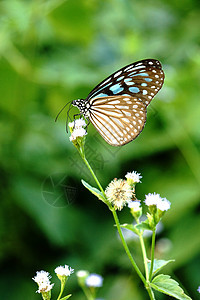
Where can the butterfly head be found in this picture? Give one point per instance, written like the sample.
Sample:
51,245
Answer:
83,106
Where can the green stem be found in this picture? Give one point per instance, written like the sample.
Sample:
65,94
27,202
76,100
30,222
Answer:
87,293
146,283
63,282
117,223
152,253
126,247
144,256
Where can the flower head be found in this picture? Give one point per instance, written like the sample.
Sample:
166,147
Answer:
152,199
119,192
79,123
134,205
164,204
94,280
42,278
77,132
64,271
133,177
198,290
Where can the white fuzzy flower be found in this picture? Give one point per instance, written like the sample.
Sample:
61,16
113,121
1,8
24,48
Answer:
134,176
42,278
64,271
152,199
76,124
155,199
163,205
77,132
119,193
135,205
44,287
94,280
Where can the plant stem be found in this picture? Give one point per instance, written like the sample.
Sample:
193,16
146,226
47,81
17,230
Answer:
126,247
152,252
146,282
144,256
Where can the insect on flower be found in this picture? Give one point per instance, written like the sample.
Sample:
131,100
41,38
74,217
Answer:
117,106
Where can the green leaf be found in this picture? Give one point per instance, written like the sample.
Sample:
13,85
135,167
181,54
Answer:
138,228
166,285
66,297
130,227
93,190
143,226
158,265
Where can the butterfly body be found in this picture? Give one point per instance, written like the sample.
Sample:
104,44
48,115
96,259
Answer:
117,105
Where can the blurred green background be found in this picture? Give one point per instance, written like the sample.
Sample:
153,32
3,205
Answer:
56,51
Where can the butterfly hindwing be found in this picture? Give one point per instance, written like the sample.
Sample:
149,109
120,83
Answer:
118,119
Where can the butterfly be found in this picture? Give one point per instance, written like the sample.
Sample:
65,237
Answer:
117,106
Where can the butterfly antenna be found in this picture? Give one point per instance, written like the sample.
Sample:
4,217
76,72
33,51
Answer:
62,110
68,117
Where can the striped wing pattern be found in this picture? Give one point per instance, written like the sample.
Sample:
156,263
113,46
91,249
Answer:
118,119
117,105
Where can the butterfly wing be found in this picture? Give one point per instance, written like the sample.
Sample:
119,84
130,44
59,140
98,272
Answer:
119,119
142,79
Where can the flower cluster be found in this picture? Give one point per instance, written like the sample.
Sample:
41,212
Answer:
154,199
64,271
120,192
133,178
42,278
77,129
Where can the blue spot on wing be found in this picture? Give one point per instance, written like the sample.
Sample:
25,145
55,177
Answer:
148,79
134,89
116,88
127,79
120,78
100,95
139,74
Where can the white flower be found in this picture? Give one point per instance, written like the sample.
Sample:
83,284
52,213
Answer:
152,199
64,271
94,280
119,193
76,124
77,132
155,199
44,287
198,290
134,176
135,205
42,278
82,273
163,205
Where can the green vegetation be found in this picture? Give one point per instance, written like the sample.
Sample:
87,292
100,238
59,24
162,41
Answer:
56,51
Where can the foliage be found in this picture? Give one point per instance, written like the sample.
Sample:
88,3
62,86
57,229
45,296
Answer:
56,51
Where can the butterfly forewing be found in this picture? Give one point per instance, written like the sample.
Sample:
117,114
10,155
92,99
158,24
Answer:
142,79
118,119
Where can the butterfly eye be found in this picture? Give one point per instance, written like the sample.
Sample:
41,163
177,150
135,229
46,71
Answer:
117,105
